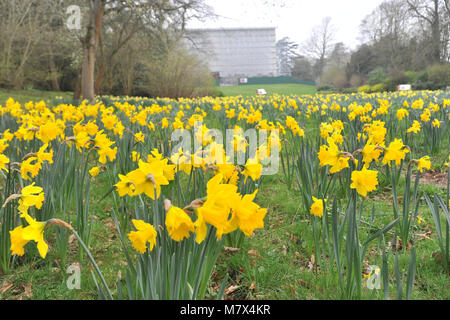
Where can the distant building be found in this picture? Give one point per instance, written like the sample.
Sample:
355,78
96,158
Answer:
236,54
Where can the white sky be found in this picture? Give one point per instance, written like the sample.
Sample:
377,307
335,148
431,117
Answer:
292,18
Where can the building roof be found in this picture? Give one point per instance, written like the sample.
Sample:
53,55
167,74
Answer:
231,29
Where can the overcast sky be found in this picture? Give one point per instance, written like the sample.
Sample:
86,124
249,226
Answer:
292,18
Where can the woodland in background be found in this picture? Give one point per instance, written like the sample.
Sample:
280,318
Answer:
401,42
138,50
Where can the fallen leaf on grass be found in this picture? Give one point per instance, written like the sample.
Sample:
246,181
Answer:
111,224
293,289
5,287
231,249
71,238
231,289
311,262
304,284
252,286
284,250
254,253
424,236
107,208
293,238
28,291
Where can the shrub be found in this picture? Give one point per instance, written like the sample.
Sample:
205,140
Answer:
390,84
178,75
379,87
399,77
349,90
326,87
421,76
209,91
427,85
365,89
411,76
439,75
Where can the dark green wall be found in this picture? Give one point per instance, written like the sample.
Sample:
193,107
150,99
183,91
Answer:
276,80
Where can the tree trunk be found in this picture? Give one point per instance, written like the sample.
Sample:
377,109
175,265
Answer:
90,43
53,71
77,90
87,74
436,33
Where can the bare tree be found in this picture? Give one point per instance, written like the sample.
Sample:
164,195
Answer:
319,44
22,27
435,14
162,13
390,19
389,28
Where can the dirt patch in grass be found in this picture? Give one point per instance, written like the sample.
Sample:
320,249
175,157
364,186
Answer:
437,179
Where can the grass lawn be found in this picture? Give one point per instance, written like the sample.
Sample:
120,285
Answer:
24,96
284,89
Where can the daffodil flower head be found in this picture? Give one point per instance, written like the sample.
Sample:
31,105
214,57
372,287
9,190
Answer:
253,169
145,233
395,152
424,163
364,181
31,196
249,216
178,224
4,160
21,236
317,207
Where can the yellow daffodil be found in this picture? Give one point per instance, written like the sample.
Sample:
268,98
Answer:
139,137
364,181
17,241
145,233
21,236
415,127
424,163
43,156
249,215
220,199
28,167
148,179
125,186
94,171
317,207
31,196
395,152
178,224
330,155
4,160
253,169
